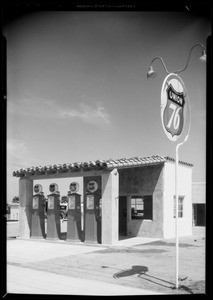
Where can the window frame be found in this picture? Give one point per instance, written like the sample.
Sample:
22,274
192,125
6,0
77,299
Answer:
147,211
180,206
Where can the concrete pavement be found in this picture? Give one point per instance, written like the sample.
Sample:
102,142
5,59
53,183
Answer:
26,280
59,267
23,251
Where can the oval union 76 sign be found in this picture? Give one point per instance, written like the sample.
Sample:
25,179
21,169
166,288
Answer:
174,104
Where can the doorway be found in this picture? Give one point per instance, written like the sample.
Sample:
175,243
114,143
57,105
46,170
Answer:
199,214
122,216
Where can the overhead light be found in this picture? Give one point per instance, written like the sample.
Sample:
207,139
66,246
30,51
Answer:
151,73
203,57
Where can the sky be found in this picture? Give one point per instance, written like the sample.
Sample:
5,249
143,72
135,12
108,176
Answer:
77,88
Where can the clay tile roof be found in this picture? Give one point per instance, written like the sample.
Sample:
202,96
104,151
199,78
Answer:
180,161
77,164
97,165
92,163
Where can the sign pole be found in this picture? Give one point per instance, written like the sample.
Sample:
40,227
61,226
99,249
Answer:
174,105
176,219
173,100
176,212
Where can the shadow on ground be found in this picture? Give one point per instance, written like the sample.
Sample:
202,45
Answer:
134,270
130,250
141,271
161,243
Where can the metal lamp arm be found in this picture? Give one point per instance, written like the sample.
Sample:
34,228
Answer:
161,59
181,70
187,62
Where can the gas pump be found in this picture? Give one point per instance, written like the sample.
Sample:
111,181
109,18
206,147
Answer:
92,209
74,214
38,204
53,213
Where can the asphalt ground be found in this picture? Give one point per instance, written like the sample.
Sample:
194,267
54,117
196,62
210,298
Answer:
134,266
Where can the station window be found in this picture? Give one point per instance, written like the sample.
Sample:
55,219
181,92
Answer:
180,206
141,207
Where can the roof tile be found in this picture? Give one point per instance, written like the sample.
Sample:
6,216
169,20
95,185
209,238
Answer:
98,164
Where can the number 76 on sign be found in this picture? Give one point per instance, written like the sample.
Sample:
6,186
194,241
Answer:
173,106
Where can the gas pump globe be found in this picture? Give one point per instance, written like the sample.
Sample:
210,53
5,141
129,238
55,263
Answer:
74,187
53,188
92,186
38,188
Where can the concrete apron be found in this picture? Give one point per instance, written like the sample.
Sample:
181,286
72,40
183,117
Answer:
40,282
12,231
20,251
29,281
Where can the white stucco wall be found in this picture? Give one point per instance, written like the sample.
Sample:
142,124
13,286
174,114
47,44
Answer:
110,188
143,181
184,189
198,192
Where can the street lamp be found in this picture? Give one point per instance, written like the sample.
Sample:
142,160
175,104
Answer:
172,123
152,73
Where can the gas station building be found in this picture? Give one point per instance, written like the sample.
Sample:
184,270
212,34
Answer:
132,197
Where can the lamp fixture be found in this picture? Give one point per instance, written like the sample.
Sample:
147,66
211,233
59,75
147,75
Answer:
152,73
203,56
